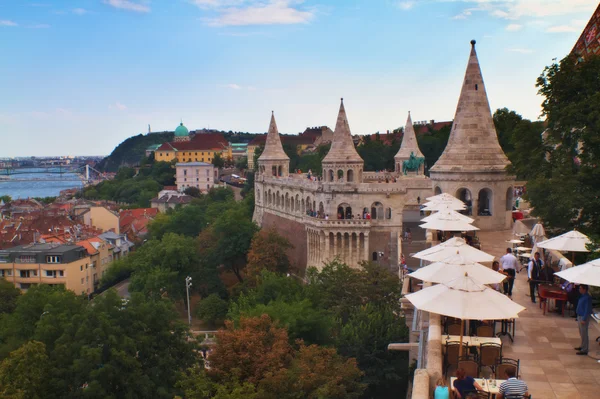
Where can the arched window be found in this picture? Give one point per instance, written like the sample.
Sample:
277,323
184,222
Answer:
377,210
344,211
510,198
437,190
331,175
279,171
374,257
309,207
340,175
257,194
350,176
388,213
464,195
274,170
485,202
303,206
321,209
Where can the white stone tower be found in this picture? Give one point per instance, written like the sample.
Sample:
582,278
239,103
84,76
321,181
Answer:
473,165
409,146
342,164
273,161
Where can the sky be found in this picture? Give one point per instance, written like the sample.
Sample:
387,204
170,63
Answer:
77,77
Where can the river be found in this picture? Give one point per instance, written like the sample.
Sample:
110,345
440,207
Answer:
22,185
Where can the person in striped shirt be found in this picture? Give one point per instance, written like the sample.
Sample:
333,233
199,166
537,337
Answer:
512,388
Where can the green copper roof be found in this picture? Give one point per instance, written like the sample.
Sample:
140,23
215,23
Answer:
181,131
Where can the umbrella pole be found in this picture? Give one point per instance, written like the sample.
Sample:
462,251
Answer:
460,348
572,258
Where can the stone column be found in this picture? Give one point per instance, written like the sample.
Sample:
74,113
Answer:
357,248
366,248
335,249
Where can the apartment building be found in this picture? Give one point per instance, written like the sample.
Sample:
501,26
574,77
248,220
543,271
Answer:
54,264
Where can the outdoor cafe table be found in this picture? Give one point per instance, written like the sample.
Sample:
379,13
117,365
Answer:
491,386
547,292
472,341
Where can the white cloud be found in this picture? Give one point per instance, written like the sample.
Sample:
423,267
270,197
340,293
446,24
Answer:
562,29
6,22
79,11
128,5
234,86
406,5
463,15
118,106
514,27
253,12
520,50
514,9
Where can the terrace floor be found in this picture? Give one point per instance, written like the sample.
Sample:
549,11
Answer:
544,344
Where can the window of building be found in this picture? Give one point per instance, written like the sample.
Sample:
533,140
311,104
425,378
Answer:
5,272
52,259
4,258
50,273
61,273
82,280
185,172
207,173
197,179
27,273
26,259
81,268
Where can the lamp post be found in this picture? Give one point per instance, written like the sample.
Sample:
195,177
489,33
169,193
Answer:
188,284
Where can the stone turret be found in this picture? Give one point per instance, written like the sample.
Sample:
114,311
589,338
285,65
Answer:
342,163
473,165
409,146
273,161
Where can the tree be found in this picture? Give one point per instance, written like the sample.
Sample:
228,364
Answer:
8,296
257,153
506,122
242,163
218,161
192,192
5,198
268,251
23,375
251,351
212,309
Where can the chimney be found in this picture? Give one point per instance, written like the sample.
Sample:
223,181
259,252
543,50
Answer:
432,121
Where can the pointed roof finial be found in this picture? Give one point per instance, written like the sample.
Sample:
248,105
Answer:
473,136
473,42
409,142
342,146
273,148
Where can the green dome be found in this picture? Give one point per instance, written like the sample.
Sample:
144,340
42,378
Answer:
181,131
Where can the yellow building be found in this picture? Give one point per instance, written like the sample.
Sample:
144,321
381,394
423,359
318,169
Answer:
101,218
54,264
101,256
194,147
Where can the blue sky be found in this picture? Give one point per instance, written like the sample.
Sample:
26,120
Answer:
80,76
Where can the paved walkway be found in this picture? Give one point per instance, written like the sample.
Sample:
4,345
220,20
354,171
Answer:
544,344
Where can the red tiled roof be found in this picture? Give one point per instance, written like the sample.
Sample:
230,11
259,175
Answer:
199,142
285,139
91,250
435,126
139,212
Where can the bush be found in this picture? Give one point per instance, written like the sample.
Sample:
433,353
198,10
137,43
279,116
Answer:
212,309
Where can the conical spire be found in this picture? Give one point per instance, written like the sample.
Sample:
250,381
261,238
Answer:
342,147
409,142
273,148
473,144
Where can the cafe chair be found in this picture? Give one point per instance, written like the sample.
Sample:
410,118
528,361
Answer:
489,353
454,329
470,366
485,331
451,354
505,363
483,395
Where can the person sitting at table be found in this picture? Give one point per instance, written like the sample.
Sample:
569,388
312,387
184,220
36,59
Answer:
496,268
512,388
463,384
441,390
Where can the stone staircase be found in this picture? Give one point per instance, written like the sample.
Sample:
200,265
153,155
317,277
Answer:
411,248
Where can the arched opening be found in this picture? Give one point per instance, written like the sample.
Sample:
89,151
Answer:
280,171
350,176
374,256
309,208
274,170
258,195
321,210
331,175
340,175
365,213
510,198
303,206
437,190
377,210
485,202
464,194
344,211
388,213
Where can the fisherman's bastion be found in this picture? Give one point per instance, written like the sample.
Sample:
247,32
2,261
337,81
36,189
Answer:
326,217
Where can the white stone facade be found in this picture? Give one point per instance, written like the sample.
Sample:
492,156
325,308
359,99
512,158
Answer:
195,174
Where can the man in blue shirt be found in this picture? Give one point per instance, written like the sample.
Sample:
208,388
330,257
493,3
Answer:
584,311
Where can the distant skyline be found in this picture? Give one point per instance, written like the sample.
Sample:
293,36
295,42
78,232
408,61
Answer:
78,77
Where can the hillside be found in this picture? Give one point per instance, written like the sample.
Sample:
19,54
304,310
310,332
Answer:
131,151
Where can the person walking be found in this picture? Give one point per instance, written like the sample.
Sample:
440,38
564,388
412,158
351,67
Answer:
509,264
533,274
584,312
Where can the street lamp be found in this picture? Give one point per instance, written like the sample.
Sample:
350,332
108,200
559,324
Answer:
188,284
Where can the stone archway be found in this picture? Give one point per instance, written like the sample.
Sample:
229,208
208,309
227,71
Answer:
485,202
350,175
377,211
510,197
344,211
437,190
464,194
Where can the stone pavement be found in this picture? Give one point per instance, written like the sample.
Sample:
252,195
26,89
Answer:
544,344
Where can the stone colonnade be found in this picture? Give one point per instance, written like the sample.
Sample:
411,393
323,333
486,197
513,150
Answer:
351,247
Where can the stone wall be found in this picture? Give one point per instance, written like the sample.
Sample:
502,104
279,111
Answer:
295,232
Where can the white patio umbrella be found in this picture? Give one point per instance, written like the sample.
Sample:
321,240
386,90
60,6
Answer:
442,197
588,273
573,241
523,249
515,241
441,206
456,266
449,248
459,216
466,299
446,221
520,229
537,233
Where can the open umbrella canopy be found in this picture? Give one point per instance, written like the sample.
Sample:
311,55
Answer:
588,273
442,206
520,229
572,241
466,299
515,241
449,247
456,266
538,233
443,197
448,221
449,212
523,249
